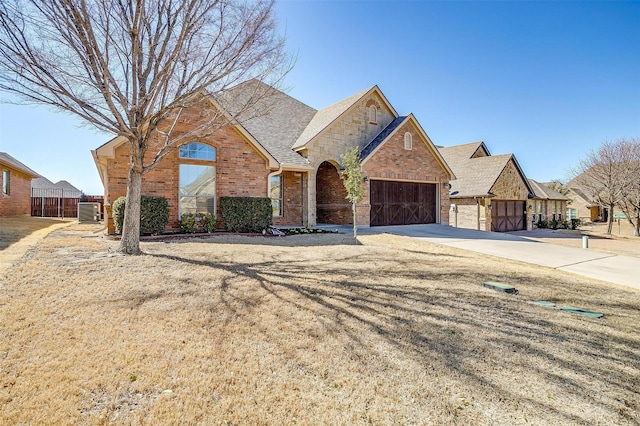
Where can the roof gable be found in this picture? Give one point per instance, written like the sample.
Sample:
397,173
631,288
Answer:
369,149
325,117
273,154
476,172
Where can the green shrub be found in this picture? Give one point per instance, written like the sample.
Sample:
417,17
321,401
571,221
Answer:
575,223
246,214
542,224
154,214
199,222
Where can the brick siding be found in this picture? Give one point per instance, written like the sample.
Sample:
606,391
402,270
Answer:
393,162
293,202
18,201
331,197
240,169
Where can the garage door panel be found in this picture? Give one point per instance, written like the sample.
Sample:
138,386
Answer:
402,203
507,215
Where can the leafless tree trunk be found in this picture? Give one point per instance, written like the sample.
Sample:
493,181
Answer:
609,175
130,67
630,203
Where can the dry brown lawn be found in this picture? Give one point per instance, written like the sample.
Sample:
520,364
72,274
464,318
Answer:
307,330
621,244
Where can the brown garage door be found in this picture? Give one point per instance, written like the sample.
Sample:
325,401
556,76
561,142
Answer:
507,216
402,203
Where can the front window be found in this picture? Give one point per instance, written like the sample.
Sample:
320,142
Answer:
5,182
275,193
197,182
197,189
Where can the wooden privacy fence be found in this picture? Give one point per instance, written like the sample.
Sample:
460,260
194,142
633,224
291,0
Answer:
53,202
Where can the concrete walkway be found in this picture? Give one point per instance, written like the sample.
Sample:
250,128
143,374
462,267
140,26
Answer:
624,270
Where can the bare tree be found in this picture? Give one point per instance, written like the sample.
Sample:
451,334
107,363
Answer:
131,67
630,203
606,174
558,186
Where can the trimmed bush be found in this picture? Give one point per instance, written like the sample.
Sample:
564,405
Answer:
200,222
246,214
154,214
575,223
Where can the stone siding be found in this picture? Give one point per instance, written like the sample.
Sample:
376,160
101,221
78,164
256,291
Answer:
351,129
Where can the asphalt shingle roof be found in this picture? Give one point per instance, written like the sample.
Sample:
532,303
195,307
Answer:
371,146
15,164
42,183
542,191
275,121
476,176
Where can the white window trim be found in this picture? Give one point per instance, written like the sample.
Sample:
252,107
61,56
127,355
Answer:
6,182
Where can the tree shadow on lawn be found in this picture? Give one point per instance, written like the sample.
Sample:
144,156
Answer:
455,324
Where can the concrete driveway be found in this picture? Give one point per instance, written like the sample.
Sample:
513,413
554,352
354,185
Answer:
624,270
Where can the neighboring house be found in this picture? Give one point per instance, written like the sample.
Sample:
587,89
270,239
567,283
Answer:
547,204
15,179
583,206
291,153
50,199
490,192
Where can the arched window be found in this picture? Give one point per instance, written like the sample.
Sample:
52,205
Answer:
197,179
373,114
408,141
198,151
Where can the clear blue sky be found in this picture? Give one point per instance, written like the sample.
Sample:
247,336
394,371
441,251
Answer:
546,81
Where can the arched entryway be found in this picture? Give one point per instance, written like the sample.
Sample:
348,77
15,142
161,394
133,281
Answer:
332,205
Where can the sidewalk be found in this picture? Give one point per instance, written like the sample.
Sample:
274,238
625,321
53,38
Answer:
623,270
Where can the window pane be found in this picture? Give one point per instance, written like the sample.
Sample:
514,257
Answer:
5,181
197,180
198,151
197,189
408,141
197,205
276,195
276,207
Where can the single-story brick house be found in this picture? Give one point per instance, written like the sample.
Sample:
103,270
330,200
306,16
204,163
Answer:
15,179
547,204
490,192
583,204
291,153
